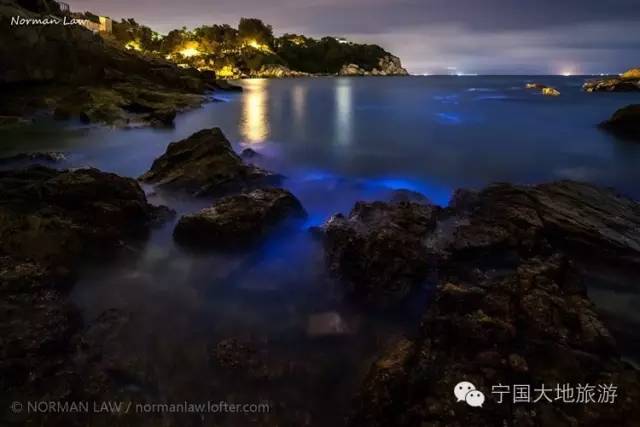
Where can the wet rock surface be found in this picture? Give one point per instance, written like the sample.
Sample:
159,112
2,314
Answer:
511,307
56,216
378,253
625,123
50,222
205,164
235,221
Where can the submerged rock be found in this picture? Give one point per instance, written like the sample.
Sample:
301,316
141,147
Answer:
56,216
205,164
378,252
238,220
625,122
629,81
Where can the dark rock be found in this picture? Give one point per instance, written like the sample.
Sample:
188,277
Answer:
237,220
566,214
225,85
205,164
409,196
378,253
625,122
37,323
528,327
249,153
56,216
44,157
511,308
246,358
162,118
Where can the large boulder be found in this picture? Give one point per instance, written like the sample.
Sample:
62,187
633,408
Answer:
378,253
531,325
629,81
237,220
568,215
511,308
55,216
205,164
625,122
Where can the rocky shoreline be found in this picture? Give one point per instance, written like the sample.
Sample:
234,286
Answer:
509,298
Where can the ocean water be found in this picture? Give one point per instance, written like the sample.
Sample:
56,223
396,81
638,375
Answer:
338,140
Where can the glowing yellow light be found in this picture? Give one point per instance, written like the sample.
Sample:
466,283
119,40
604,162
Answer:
256,45
133,45
190,50
226,71
254,122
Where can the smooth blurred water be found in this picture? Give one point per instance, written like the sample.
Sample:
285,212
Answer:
338,140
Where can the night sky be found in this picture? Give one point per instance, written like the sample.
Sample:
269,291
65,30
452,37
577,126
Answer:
432,36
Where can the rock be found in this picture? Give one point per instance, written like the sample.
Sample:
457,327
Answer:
225,85
632,74
527,327
409,196
390,65
55,217
205,164
625,122
276,71
378,253
629,81
549,91
351,70
247,359
511,308
544,89
238,220
37,324
36,157
566,214
162,118
249,153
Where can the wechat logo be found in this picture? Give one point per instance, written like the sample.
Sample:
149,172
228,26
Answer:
466,392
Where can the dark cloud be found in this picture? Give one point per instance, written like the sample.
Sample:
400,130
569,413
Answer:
533,36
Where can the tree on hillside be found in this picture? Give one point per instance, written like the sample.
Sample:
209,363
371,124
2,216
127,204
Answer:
255,29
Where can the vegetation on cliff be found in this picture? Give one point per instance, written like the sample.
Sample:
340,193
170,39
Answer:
244,51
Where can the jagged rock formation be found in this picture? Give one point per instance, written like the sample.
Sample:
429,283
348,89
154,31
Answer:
387,66
511,308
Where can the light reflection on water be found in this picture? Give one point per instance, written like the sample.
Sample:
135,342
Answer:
254,123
